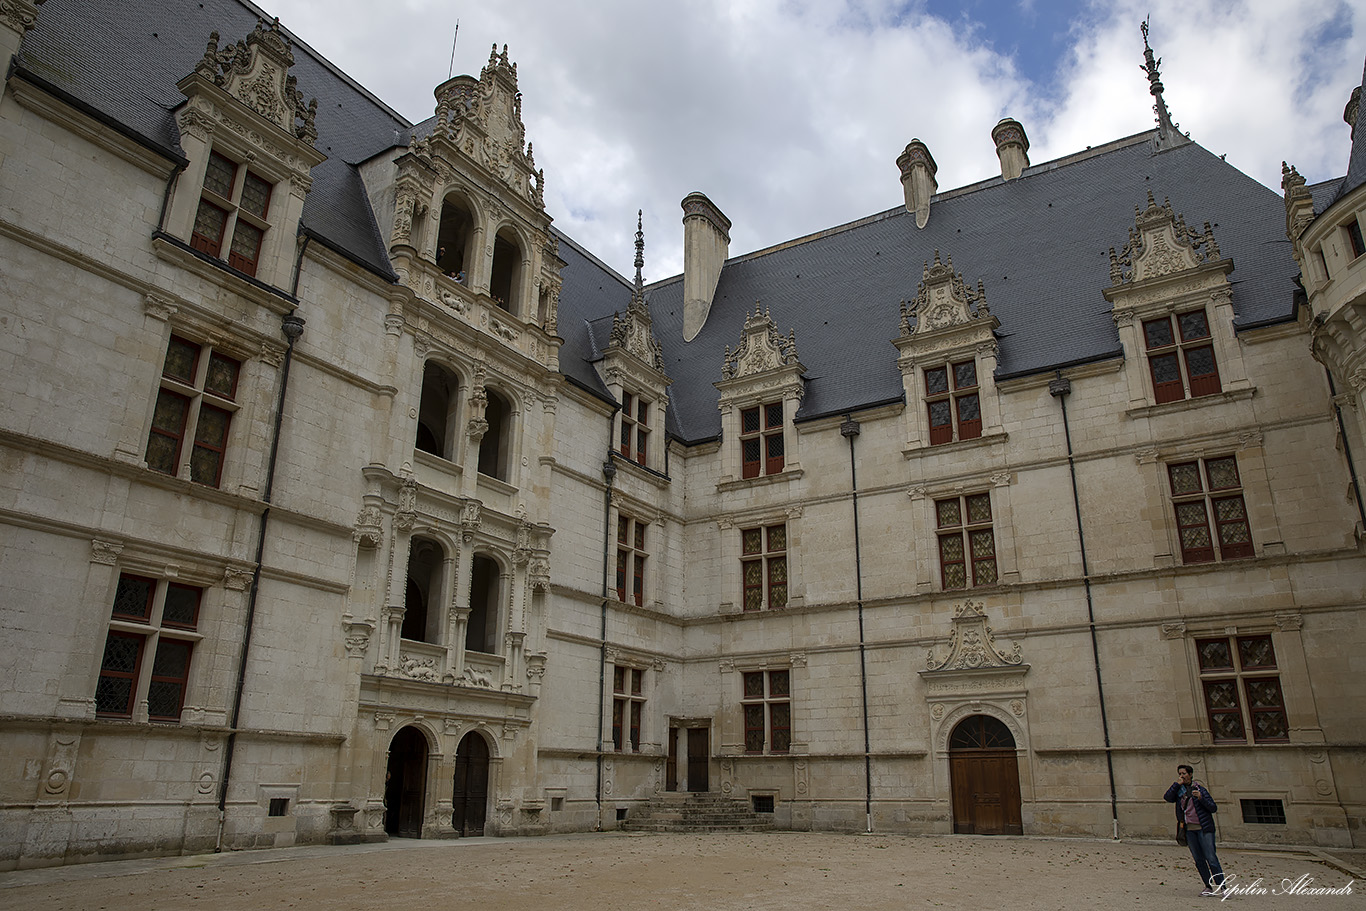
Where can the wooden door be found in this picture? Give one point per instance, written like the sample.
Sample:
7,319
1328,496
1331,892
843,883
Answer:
405,784
470,796
699,750
985,778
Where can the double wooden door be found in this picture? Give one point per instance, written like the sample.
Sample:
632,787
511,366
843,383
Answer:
470,795
985,777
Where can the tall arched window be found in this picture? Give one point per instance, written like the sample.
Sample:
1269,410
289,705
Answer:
423,592
506,281
481,632
453,237
495,448
436,415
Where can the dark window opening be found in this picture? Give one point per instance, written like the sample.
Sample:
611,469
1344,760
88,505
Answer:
1263,812
424,585
436,415
481,628
763,803
621,814
493,448
507,273
279,806
453,239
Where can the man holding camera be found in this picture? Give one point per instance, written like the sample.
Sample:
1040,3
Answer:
1195,810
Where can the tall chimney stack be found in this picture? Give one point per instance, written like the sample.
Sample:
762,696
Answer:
706,244
1012,147
917,179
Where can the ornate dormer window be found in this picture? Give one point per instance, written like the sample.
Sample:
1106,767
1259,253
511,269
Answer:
1173,305
470,233
761,389
249,139
948,361
633,369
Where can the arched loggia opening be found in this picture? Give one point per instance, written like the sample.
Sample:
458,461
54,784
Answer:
470,796
420,622
454,238
481,631
437,412
985,778
505,282
405,784
495,448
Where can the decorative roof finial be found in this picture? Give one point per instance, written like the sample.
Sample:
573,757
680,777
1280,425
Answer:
640,248
1167,133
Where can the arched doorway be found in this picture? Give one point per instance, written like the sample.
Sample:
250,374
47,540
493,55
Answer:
405,784
985,778
471,794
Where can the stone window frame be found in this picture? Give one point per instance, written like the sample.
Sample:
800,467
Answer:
632,558
628,707
235,210
196,396
771,705
1209,497
1241,675
150,627
966,531
634,426
769,425
955,395
767,557
926,564
1179,345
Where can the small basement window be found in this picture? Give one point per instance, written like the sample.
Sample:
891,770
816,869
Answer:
556,804
621,813
1264,812
763,803
279,806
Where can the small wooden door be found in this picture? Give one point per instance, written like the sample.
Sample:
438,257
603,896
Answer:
985,778
699,759
470,796
405,784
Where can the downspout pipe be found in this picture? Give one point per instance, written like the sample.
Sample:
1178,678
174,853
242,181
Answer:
609,473
292,326
1060,387
850,430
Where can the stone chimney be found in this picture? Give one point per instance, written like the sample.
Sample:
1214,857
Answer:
917,179
1012,147
706,244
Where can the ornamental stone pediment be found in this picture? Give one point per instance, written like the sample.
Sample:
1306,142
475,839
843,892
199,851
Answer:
971,662
1160,244
255,71
761,349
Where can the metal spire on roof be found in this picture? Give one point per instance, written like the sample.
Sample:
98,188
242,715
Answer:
639,293
1167,133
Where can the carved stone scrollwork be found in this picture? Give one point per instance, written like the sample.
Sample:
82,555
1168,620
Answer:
105,552
357,634
406,514
761,348
971,644
369,528
1159,244
417,668
159,306
256,72
943,300
237,578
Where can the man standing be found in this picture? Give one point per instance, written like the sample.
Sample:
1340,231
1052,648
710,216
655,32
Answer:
1195,810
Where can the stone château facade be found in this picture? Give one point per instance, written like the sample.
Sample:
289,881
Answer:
344,497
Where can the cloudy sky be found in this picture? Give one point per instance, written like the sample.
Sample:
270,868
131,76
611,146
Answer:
790,114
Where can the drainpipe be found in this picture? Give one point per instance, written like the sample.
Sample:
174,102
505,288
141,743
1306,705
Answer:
849,430
1060,387
609,473
1346,449
292,326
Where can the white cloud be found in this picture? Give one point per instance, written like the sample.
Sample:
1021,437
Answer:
789,114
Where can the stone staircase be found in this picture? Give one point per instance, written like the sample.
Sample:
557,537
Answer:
684,812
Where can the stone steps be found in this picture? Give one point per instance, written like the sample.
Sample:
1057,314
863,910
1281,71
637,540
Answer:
696,813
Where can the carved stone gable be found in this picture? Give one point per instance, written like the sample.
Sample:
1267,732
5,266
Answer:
482,119
942,301
972,644
1161,244
761,348
255,71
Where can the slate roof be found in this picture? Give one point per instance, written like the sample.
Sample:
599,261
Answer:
1040,244
122,60
1356,163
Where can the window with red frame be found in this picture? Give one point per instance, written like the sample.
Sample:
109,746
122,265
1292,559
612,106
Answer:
145,618
761,440
631,559
628,705
763,567
966,540
1181,356
1205,490
635,428
954,403
1242,689
196,401
234,204
767,706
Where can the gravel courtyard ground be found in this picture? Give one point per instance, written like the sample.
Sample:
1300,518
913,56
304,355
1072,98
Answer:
612,871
